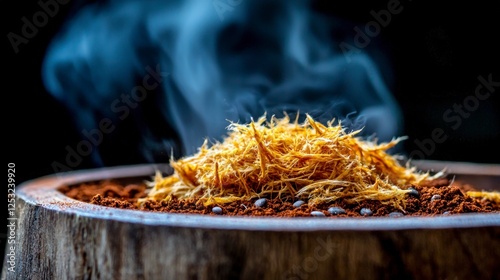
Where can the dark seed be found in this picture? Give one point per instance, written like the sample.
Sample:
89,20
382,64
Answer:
317,214
413,192
298,203
261,202
366,212
217,210
336,210
396,214
435,197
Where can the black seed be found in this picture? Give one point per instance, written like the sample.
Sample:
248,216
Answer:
396,214
366,212
413,192
261,202
298,203
336,210
317,214
435,197
217,210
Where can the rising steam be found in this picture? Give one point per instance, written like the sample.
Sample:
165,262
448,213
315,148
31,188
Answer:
261,56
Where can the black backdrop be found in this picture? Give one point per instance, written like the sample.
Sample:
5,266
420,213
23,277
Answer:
437,51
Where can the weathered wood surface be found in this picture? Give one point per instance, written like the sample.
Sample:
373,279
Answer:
60,238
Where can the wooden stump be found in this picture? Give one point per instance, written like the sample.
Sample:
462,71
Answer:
61,238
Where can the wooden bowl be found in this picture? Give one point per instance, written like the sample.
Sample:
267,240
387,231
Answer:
61,238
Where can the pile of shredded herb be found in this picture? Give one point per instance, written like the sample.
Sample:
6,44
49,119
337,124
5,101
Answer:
278,158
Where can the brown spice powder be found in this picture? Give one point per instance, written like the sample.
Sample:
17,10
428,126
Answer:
434,198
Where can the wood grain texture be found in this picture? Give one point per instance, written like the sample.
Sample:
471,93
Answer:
60,238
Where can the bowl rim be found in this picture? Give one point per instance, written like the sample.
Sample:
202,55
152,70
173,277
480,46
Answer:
43,192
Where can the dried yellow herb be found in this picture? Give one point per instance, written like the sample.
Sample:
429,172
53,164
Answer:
277,158
491,196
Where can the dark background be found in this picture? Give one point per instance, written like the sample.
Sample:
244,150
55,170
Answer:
437,51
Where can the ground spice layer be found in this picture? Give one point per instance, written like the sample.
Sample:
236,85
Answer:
430,198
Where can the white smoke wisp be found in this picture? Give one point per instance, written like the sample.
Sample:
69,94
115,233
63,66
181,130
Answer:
264,56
